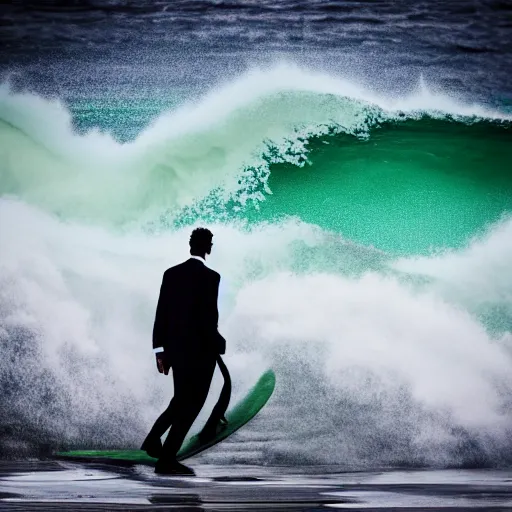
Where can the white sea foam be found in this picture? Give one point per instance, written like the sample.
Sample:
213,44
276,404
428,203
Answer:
374,362
369,368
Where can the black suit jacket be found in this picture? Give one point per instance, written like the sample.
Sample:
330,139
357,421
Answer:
186,315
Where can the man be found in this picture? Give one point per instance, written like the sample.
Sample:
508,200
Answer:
186,339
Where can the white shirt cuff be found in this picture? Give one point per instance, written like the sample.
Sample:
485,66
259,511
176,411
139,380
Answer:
157,350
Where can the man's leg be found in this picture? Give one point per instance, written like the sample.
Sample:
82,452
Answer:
217,418
161,425
192,383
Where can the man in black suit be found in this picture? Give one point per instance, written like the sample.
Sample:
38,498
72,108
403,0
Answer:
186,339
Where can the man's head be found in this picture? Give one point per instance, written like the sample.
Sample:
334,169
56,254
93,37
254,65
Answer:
201,242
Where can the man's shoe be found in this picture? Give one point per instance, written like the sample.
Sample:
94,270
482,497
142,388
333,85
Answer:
211,430
172,468
153,447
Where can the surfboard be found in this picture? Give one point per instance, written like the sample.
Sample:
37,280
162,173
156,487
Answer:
236,417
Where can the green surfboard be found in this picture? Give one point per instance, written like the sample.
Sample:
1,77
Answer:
237,417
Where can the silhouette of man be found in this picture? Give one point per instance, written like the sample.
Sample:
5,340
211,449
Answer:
186,339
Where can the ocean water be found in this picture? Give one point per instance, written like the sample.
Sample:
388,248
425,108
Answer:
361,218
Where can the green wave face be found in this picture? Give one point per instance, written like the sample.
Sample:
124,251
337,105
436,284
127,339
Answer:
403,182
409,187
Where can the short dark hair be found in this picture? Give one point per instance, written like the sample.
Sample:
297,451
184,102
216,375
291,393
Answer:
200,240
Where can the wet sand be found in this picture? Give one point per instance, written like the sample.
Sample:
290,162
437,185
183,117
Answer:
56,485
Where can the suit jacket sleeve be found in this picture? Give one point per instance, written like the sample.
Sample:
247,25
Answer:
212,313
213,317
162,310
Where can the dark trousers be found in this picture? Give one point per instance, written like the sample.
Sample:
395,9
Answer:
221,406
192,377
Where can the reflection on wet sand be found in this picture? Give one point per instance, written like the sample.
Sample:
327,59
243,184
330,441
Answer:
50,485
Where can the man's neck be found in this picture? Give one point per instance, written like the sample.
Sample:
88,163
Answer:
197,257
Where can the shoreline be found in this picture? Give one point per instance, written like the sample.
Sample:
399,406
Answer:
57,485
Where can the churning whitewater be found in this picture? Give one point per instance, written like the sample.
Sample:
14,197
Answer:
364,243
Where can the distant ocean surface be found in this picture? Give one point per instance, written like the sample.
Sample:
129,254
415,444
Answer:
354,162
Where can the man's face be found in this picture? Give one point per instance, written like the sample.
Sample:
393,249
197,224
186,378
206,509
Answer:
209,250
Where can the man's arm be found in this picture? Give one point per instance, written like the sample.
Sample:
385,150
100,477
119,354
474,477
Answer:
159,327
212,311
213,316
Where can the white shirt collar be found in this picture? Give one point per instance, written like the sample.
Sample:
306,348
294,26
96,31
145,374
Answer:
198,258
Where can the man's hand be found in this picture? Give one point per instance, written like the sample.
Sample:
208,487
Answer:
162,364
